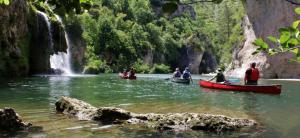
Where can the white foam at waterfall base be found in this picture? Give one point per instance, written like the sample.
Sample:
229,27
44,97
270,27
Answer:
61,60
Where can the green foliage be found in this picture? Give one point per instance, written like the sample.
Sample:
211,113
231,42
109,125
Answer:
123,32
140,67
65,6
96,67
160,68
94,64
5,2
288,41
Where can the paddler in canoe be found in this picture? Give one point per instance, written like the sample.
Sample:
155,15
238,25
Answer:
176,74
187,74
251,78
124,74
251,75
131,74
220,77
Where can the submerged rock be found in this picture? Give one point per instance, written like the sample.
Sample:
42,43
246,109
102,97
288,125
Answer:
161,122
76,108
11,121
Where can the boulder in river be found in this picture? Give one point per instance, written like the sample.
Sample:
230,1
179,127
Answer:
160,122
11,121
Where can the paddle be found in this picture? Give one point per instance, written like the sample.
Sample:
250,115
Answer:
191,79
212,78
167,78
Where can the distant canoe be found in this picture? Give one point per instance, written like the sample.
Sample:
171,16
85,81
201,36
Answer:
126,77
179,80
269,89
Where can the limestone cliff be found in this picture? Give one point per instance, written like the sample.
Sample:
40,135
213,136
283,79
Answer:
264,18
13,39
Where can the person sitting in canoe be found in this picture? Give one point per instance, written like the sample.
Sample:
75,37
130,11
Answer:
187,74
131,74
177,73
125,73
220,78
251,75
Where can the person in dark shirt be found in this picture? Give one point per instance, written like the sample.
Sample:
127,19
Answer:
220,78
131,74
186,74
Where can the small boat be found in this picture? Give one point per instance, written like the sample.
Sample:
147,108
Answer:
126,77
179,80
270,89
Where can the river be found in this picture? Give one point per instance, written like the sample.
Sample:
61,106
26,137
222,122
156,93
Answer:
34,98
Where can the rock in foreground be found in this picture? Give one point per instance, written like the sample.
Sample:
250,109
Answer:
11,121
161,122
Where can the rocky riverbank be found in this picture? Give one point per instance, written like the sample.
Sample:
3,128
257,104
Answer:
160,122
11,121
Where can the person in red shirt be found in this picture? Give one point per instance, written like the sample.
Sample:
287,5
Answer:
251,75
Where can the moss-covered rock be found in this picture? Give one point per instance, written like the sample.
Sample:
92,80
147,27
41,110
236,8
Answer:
14,39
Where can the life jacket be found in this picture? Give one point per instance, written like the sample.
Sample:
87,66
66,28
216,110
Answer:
186,75
254,74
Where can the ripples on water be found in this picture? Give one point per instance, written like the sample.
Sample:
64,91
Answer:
34,99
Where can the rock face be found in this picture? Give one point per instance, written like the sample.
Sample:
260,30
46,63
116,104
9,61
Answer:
40,44
182,9
161,122
264,18
11,121
14,39
78,49
197,60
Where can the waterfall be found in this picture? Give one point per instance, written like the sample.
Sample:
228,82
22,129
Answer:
48,25
60,61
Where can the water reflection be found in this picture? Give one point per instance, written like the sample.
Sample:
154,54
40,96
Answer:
59,86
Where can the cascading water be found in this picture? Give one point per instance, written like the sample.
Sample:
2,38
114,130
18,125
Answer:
48,26
60,61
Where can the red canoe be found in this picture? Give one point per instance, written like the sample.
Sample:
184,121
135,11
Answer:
126,77
272,89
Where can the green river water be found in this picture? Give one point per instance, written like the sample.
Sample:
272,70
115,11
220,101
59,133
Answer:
33,98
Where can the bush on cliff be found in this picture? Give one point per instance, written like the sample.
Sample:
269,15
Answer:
96,67
160,68
140,67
